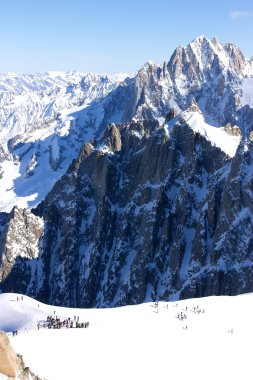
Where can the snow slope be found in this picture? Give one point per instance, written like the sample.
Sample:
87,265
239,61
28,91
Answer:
247,92
44,120
136,342
217,136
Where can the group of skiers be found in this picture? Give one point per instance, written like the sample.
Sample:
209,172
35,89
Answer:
54,322
198,310
181,316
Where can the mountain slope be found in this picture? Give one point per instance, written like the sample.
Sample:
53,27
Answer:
151,202
145,213
46,118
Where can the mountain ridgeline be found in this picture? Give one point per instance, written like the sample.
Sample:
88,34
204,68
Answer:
157,204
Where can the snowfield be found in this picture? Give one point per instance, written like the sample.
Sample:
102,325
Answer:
247,92
217,136
135,342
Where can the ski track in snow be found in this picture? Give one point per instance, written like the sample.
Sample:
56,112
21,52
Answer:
136,342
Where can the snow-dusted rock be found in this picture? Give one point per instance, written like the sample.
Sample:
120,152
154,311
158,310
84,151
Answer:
146,212
20,234
46,118
147,201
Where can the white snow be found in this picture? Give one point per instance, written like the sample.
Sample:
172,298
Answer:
217,136
103,148
50,115
8,197
247,92
136,342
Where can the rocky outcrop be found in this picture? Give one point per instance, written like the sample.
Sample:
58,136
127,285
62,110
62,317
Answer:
20,233
11,364
8,359
24,372
232,131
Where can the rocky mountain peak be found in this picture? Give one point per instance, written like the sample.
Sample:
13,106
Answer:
112,138
215,41
236,58
45,119
202,54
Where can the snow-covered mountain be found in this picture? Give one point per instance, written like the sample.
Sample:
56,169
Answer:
146,212
158,205
217,76
46,118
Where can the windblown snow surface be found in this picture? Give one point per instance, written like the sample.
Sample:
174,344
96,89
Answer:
136,342
247,92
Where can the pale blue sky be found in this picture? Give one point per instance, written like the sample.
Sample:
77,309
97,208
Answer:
113,36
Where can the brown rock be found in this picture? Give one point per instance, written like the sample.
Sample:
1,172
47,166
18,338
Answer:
112,135
8,361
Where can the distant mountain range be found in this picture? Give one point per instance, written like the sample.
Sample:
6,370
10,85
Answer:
141,185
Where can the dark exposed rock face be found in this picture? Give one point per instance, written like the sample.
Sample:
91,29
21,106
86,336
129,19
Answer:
20,232
144,214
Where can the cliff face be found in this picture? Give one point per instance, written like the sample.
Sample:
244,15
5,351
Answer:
20,233
12,365
145,213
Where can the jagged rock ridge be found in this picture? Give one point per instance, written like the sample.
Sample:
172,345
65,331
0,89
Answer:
147,212
45,119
